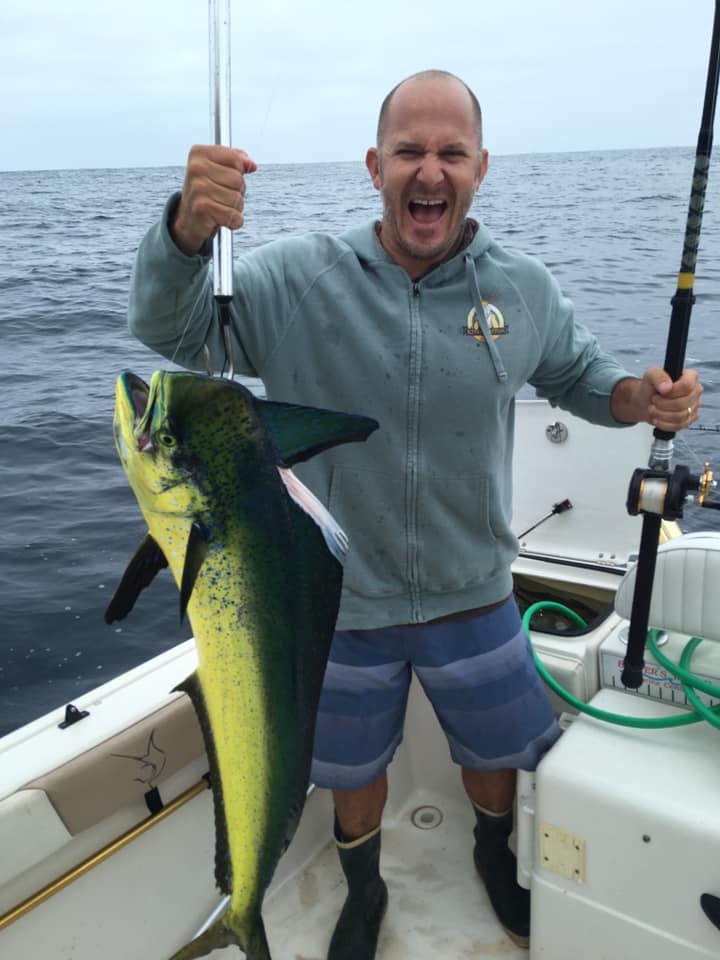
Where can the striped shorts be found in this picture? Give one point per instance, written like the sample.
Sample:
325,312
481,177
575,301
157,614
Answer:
478,673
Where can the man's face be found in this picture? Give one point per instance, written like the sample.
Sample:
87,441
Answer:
427,169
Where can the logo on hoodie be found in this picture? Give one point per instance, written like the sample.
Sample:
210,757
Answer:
495,321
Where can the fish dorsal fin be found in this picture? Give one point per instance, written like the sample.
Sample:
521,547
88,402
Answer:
298,433
335,538
195,553
140,572
223,871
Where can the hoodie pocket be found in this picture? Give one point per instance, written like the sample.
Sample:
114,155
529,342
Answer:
369,506
460,542
461,538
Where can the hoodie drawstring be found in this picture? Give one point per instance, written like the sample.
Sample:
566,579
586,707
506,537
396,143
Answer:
481,315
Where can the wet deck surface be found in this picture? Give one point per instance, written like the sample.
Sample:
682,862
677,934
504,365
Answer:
438,907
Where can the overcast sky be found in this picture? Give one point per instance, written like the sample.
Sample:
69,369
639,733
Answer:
87,83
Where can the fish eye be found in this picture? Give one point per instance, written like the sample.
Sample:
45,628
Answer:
167,439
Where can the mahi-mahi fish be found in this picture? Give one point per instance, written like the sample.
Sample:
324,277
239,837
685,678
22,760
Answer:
257,560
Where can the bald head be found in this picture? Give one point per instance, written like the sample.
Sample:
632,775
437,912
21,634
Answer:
425,76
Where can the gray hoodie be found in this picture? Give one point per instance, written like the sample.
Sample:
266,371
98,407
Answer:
332,321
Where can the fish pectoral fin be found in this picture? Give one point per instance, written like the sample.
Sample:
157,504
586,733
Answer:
195,553
298,433
140,572
335,538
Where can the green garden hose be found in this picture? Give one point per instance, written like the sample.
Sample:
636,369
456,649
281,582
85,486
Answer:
690,682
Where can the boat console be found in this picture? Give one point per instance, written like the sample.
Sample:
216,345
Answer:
618,830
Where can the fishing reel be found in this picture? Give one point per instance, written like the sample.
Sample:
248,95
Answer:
664,493
659,493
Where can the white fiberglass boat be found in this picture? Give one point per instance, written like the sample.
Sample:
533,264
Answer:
106,830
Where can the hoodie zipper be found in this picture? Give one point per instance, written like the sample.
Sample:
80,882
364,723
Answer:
412,457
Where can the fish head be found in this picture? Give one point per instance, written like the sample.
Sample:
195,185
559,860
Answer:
176,436
147,444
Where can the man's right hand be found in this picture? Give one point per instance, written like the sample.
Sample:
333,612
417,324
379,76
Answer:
213,195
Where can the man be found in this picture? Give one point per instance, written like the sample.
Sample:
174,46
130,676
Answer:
375,322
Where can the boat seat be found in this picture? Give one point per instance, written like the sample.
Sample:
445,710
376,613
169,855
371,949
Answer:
30,831
122,769
686,589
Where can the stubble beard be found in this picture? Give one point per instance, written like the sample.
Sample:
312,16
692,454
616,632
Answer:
420,252
441,249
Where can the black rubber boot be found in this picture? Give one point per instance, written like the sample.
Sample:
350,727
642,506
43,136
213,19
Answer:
497,866
357,930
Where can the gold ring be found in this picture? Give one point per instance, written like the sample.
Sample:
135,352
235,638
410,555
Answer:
690,412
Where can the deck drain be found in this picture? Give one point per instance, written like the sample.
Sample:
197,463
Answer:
426,818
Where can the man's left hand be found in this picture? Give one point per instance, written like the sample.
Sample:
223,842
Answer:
656,400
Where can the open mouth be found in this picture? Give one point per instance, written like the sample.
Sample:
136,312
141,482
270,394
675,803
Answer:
427,211
139,400
138,394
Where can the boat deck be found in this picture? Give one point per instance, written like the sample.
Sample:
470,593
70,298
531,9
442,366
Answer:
437,905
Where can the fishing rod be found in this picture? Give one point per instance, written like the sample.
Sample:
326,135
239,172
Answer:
660,492
219,34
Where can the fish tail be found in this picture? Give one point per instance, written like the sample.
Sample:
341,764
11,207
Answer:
221,934
257,946
214,938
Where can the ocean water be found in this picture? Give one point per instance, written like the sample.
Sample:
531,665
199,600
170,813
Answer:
609,225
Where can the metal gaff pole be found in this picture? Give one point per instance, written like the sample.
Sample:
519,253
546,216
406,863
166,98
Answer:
219,33
682,303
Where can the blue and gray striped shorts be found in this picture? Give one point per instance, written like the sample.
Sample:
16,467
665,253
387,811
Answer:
478,673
